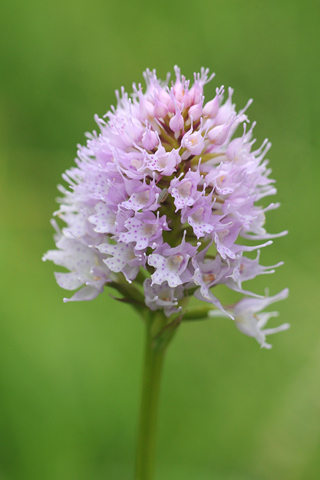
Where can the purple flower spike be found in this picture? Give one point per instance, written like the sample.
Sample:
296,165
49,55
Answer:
166,198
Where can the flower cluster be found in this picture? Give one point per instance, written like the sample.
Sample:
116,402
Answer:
165,191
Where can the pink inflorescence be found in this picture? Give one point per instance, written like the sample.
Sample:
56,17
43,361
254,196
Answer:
165,189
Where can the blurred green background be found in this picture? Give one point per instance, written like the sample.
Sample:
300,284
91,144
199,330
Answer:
70,373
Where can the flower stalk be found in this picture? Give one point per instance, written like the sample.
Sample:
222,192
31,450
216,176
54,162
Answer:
147,430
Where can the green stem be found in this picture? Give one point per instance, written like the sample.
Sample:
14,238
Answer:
153,361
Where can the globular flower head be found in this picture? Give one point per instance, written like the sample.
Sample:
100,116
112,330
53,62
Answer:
167,190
